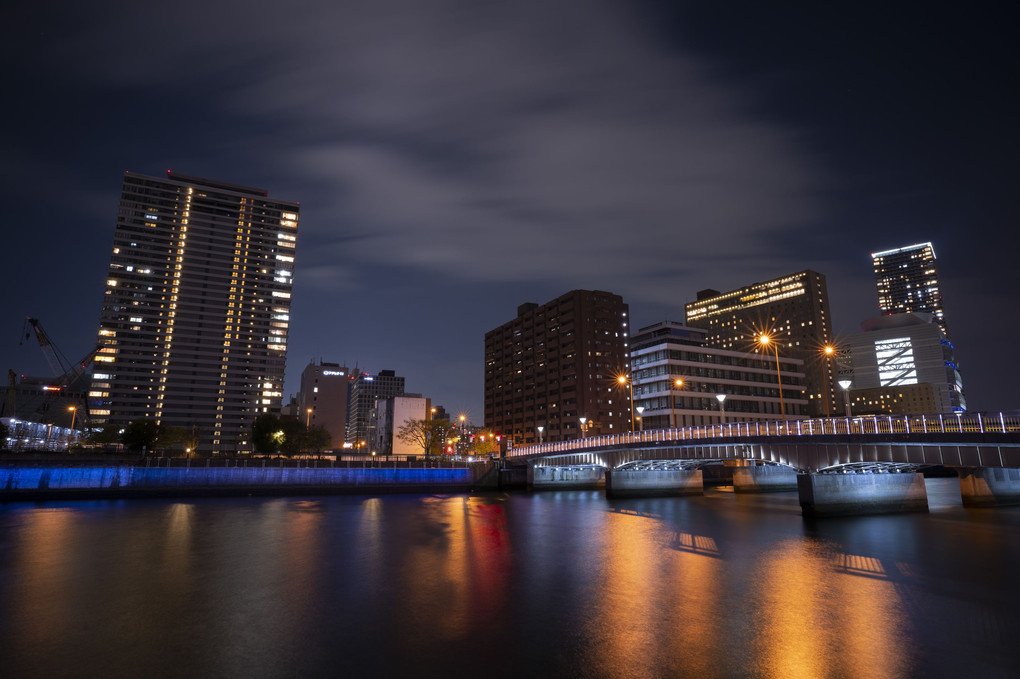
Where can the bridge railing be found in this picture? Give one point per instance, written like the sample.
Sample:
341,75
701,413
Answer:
980,423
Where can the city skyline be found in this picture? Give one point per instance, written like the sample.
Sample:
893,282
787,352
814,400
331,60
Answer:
474,161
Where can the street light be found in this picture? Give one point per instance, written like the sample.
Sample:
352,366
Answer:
679,384
74,412
308,418
828,351
540,429
624,380
640,410
722,408
765,340
584,421
845,384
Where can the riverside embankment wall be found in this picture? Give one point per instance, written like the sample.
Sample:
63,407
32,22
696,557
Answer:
40,481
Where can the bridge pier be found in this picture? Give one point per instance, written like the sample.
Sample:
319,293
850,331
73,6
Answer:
763,479
854,494
990,486
653,482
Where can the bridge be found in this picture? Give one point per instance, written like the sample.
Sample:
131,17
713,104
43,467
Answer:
858,459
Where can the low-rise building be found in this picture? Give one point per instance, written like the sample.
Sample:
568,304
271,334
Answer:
390,415
664,353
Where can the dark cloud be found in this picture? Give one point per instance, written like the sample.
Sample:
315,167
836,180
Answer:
454,159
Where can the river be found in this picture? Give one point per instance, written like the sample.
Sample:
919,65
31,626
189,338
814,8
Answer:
558,584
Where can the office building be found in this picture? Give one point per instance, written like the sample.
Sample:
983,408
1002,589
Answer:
322,401
793,310
664,353
195,317
556,363
366,389
908,281
903,364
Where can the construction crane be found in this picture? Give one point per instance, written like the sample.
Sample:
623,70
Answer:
70,380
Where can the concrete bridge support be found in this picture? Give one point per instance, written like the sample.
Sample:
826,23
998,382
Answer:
653,482
565,478
763,479
990,486
852,494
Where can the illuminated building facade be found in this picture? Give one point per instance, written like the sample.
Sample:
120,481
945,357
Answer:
908,281
666,352
902,362
390,415
556,363
196,311
322,401
793,309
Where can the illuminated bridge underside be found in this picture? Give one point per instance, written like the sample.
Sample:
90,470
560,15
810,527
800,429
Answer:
657,465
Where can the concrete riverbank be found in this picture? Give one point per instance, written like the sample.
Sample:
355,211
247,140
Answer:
30,482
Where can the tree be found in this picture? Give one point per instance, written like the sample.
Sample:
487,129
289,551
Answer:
110,433
266,434
140,435
429,435
318,439
175,438
293,436
484,443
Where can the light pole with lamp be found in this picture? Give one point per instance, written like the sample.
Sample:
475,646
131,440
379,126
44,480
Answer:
722,407
828,351
74,412
540,429
845,385
625,380
641,409
584,428
679,384
765,340
308,419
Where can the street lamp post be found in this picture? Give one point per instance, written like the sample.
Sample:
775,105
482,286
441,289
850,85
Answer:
540,429
829,351
74,412
640,410
722,407
764,340
845,385
308,419
625,380
584,428
679,383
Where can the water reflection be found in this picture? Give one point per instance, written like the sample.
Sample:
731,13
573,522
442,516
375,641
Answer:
559,585
819,617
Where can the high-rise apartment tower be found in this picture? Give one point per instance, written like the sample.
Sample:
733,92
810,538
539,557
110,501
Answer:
557,363
193,330
908,281
793,310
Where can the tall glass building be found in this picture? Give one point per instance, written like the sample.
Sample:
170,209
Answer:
908,282
196,311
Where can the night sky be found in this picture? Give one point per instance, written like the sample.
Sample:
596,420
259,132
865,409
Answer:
455,159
